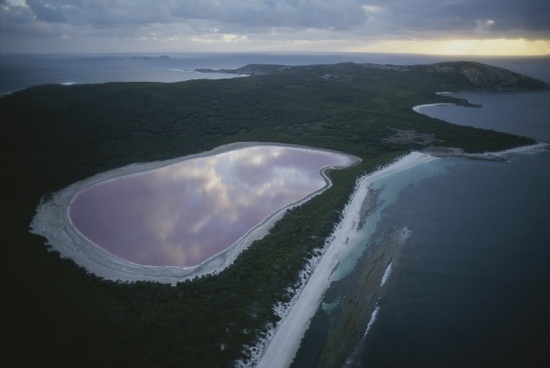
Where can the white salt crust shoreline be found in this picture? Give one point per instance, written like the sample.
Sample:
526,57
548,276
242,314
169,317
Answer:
278,348
53,222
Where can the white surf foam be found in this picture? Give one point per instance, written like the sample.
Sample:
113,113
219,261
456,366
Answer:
387,275
372,319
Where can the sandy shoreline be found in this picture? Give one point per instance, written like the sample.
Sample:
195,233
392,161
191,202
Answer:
284,341
419,107
53,222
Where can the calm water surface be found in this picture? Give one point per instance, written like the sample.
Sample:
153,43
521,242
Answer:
185,213
521,113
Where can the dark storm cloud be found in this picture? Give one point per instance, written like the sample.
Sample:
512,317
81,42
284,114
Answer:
281,20
468,16
393,16
100,13
247,14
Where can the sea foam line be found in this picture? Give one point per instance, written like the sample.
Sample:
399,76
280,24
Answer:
533,148
372,320
386,275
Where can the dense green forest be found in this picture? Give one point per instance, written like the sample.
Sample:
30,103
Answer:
52,136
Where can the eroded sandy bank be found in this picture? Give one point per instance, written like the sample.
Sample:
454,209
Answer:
53,222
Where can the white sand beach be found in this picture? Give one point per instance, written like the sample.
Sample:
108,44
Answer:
284,340
420,107
53,222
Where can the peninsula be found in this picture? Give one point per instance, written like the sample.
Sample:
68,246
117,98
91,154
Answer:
55,135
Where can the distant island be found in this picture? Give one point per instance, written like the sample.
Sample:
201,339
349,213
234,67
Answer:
161,57
481,76
56,135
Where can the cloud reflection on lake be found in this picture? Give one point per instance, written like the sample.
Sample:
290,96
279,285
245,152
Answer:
185,213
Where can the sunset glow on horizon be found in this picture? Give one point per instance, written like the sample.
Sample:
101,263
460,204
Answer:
472,47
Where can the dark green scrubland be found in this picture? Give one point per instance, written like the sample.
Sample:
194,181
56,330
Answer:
58,315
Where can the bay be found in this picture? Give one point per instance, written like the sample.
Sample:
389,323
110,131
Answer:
521,113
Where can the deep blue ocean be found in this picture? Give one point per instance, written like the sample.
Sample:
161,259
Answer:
471,285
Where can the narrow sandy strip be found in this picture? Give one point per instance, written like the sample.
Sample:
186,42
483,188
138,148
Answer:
420,107
533,148
285,339
53,222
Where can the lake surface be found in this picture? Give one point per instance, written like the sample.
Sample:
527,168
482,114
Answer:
185,213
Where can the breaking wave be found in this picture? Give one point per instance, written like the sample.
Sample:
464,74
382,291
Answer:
404,235
372,319
386,276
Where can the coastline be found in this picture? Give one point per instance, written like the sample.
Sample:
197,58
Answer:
417,108
53,222
502,155
490,156
278,349
280,346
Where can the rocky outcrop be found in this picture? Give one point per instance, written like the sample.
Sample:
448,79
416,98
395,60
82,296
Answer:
487,77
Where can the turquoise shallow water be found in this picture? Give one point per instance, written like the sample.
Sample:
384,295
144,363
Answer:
387,190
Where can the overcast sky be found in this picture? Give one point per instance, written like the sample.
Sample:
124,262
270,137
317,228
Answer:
65,26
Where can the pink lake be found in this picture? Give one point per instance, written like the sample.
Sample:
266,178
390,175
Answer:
186,213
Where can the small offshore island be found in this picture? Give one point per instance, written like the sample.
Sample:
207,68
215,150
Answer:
59,135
